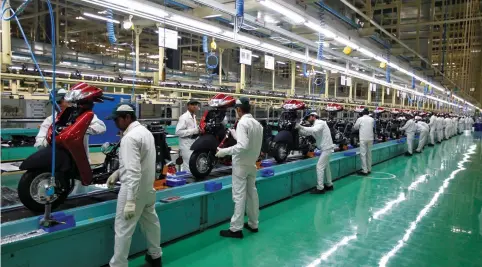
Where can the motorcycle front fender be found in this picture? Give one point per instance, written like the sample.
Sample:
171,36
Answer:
284,137
205,142
42,160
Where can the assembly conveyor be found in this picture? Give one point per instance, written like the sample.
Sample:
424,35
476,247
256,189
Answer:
91,242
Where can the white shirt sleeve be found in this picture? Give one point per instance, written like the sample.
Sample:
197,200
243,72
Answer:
96,126
310,130
131,155
181,128
40,139
357,124
242,140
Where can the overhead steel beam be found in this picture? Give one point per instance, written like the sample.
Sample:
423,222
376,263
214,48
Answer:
428,23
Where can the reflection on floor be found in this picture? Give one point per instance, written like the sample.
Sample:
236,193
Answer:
424,210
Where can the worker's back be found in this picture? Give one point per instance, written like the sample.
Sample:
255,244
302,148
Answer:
250,131
366,125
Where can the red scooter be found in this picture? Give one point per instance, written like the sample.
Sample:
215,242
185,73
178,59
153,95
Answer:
71,162
212,133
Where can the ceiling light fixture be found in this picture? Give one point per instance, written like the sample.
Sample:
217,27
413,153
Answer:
100,17
291,15
196,24
213,16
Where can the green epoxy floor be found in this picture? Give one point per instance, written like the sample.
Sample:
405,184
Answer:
430,214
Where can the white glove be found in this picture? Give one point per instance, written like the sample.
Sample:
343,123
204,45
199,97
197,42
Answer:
233,133
221,153
129,210
297,126
112,179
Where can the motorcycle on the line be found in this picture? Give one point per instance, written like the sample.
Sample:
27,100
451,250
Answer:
288,138
71,160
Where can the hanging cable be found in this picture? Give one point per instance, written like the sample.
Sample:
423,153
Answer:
113,41
239,19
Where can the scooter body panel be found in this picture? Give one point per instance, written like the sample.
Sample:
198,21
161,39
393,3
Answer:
205,142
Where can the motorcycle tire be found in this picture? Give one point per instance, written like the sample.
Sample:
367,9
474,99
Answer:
194,159
26,198
278,156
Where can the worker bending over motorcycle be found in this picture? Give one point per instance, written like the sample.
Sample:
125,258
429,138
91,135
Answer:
321,132
96,127
423,129
433,129
410,127
365,125
137,197
249,137
188,131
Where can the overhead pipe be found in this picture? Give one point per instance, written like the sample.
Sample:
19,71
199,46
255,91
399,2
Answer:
359,12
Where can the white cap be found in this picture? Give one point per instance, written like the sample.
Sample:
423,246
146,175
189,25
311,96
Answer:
418,117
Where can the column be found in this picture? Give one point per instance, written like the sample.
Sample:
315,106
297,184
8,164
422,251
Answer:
383,95
272,81
6,58
394,93
327,83
161,64
242,79
369,98
350,95
336,86
138,31
221,50
293,77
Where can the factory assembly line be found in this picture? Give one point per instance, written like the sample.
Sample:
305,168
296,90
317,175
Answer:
231,125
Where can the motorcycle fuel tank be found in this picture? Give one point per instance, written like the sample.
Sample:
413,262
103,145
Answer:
222,101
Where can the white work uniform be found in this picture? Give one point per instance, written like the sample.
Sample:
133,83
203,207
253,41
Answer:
249,137
454,126
365,125
137,170
447,127
433,128
186,128
410,127
440,128
96,127
461,125
321,132
468,123
423,129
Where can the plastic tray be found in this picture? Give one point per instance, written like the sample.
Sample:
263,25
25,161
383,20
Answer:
213,186
65,221
173,182
268,172
267,163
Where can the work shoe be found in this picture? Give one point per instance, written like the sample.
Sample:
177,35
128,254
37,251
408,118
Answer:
416,151
252,230
153,262
362,173
329,188
408,154
229,233
431,145
316,191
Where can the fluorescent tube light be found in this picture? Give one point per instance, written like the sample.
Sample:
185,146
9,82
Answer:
275,48
196,24
100,17
291,15
318,28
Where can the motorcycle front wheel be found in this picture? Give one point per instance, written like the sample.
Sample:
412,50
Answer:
32,194
201,163
281,152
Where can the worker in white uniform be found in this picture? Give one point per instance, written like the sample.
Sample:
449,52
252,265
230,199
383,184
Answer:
321,132
423,129
137,197
447,126
468,123
454,125
96,127
249,137
461,124
188,131
432,125
410,127
439,127
365,125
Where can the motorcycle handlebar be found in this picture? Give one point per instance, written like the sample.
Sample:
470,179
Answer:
107,98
